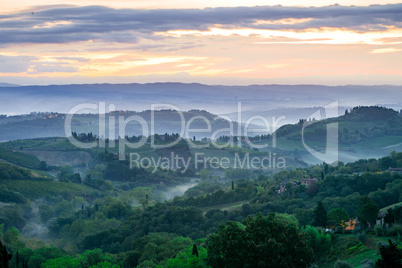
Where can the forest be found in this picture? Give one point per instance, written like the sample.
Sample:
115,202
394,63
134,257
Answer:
117,217
62,206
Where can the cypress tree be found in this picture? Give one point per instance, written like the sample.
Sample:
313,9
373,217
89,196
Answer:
195,250
320,215
325,168
390,256
4,256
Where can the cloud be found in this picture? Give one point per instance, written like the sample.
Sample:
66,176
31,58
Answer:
30,64
77,59
276,66
385,50
15,64
52,68
71,24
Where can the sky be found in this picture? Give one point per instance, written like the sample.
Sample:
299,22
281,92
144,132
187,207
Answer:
212,42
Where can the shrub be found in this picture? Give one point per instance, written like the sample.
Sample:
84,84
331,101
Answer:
362,237
356,230
367,263
390,256
342,264
247,244
370,232
9,196
318,239
378,230
380,244
395,230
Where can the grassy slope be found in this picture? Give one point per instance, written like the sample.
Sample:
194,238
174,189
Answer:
349,248
38,189
391,206
20,159
382,136
228,206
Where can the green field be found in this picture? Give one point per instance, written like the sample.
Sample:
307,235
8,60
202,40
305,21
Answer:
38,189
229,206
381,142
349,248
20,159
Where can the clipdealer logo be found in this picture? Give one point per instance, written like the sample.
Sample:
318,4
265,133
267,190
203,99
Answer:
114,128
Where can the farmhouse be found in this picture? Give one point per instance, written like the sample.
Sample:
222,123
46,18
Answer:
282,186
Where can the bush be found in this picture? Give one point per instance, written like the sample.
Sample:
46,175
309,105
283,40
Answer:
357,230
394,230
380,244
378,230
247,244
367,263
342,264
391,256
318,239
362,237
9,196
370,232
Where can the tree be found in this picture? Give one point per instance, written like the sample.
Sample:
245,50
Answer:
312,189
304,216
195,250
65,171
246,210
232,186
367,210
17,260
390,256
185,259
204,174
41,255
11,235
43,165
389,217
4,256
320,215
259,242
325,168
143,202
338,215
14,214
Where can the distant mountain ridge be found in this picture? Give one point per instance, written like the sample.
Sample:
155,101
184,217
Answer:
214,98
9,85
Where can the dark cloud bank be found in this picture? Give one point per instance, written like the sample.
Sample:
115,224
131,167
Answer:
127,25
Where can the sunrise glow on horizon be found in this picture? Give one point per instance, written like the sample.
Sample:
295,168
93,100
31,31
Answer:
230,42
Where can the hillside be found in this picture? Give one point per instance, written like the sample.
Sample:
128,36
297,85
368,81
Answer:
39,125
364,132
114,212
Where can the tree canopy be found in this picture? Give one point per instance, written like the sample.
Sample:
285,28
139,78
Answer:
259,242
